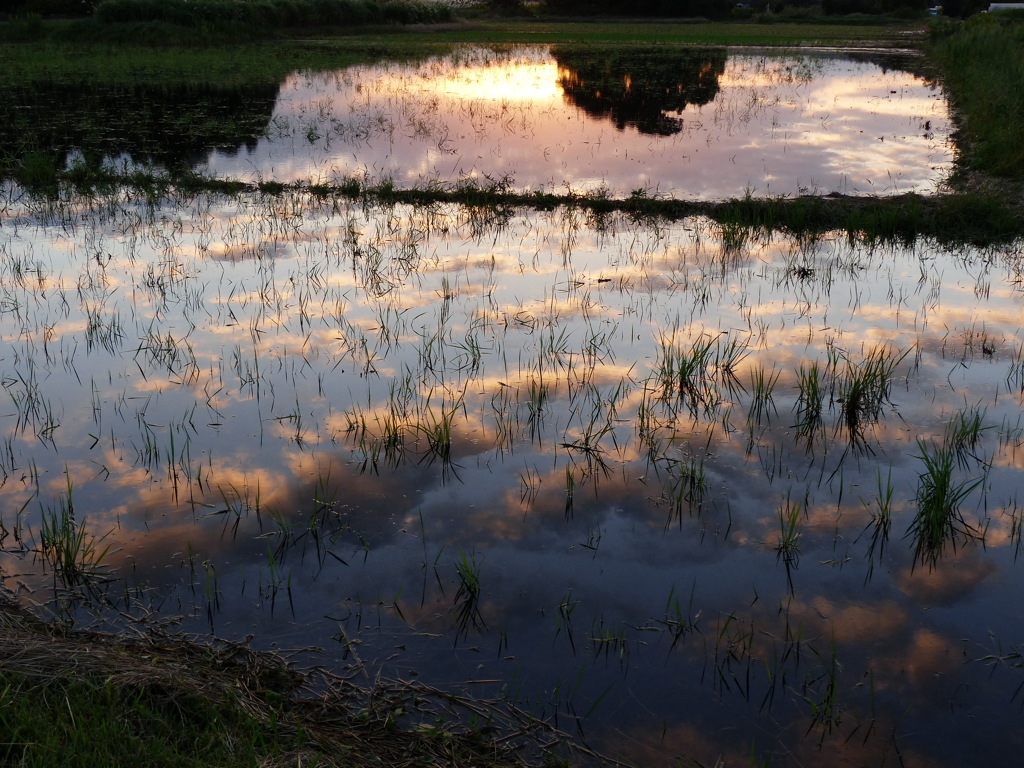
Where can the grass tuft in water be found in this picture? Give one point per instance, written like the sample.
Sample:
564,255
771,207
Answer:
810,399
881,520
689,484
963,434
467,598
864,388
940,494
762,401
684,372
788,547
74,554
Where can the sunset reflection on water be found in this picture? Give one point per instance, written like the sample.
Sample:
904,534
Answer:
701,123
288,416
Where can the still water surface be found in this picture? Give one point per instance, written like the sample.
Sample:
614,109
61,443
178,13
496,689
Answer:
299,418
697,123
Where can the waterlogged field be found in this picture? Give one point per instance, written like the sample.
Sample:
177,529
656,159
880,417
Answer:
692,491
700,123
713,494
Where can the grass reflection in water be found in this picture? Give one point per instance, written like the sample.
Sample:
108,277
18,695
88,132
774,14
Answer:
600,459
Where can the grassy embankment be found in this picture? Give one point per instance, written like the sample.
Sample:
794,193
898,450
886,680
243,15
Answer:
982,64
89,699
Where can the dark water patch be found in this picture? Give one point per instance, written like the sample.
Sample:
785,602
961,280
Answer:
169,126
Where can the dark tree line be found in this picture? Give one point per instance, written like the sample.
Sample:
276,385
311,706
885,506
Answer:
715,9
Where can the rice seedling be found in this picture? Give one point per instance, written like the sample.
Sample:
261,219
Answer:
881,520
439,432
588,442
33,408
677,621
810,399
467,596
647,430
392,429
684,373
688,486
963,434
788,547
103,333
733,657
609,641
762,401
506,421
864,388
73,553
594,537
938,520
471,353
1013,511
554,347
728,357
529,485
821,691
566,607
276,581
570,490
537,394
1015,376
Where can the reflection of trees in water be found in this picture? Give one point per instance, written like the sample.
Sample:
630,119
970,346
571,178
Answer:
637,89
170,125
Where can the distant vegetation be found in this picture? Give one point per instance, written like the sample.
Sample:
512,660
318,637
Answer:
48,7
243,13
759,10
306,13
272,13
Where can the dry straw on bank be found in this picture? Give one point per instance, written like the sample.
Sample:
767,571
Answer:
317,718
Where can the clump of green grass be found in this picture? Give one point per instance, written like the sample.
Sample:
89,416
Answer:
821,690
811,391
864,387
881,520
467,598
788,547
963,434
762,387
38,172
685,370
439,431
688,486
67,546
940,494
728,356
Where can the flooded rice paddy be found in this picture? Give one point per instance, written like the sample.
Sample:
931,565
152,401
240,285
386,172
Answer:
700,124
697,492
697,123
